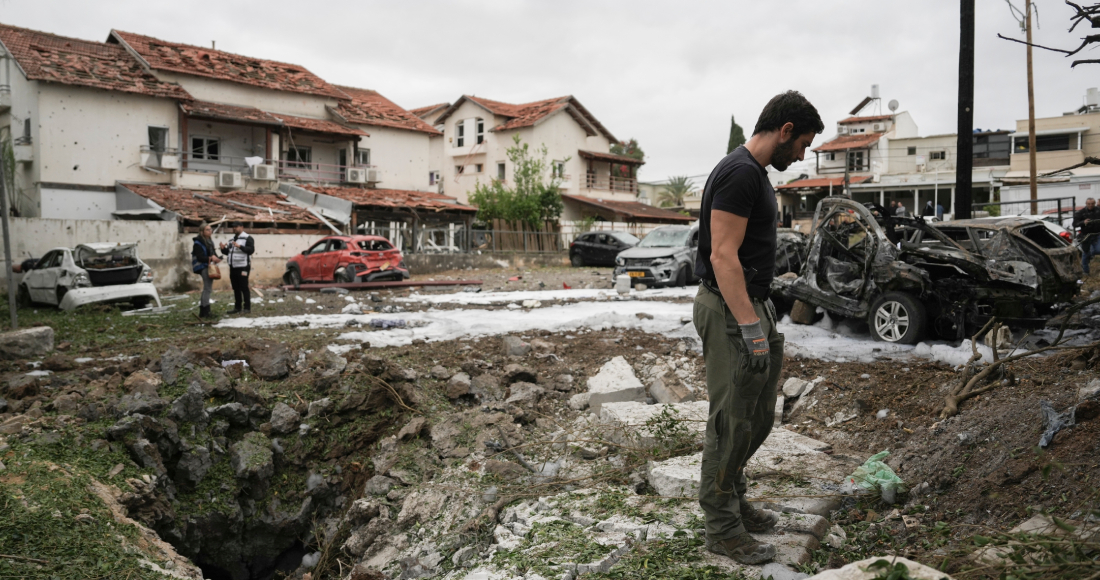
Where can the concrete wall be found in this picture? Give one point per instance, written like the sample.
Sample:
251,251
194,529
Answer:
24,106
901,162
217,91
402,157
160,245
1054,160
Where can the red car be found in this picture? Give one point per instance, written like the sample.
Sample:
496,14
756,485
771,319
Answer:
347,259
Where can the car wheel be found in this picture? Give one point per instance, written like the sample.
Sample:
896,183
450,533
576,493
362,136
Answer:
294,278
345,277
23,296
897,317
576,260
140,302
682,277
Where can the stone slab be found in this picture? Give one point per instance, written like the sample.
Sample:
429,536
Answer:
26,343
615,382
627,420
858,570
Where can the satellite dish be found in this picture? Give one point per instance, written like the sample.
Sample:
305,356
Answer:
893,104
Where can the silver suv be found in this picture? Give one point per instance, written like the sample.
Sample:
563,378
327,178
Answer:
665,257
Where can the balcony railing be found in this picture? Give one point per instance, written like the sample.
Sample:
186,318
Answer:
622,184
307,171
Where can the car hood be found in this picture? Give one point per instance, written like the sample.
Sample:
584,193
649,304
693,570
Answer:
651,253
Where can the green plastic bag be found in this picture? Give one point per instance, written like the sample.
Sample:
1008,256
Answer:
874,475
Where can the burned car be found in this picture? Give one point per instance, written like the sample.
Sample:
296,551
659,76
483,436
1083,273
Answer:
96,272
907,277
664,257
347,259
790,251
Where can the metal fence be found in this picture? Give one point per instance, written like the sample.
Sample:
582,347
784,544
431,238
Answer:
1063,207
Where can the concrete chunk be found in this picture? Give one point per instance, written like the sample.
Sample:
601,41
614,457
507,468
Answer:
26,343
669,389
861,571
614,383
627,420
794,387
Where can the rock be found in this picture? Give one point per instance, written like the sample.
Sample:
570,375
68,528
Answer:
142,381
505,469
780,401
235,413
192,466
777,571
67,404
669,389
352,308
171,362
458,385
13,425
524,394
378,485
802,313
269,359
579,402
486,387
334,290
562,382
514,373
1086,411
284,419
140,404
320,408
412,429
1089,391
794,386
464,555
58,363
251,457
440,373
676,477
26,343
188,407
614,383
627,420
514,346
542,345
22,386
861,570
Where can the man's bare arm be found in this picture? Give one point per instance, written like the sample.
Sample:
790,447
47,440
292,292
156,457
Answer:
727,232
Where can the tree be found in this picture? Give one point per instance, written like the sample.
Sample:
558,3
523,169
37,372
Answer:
737,136
628,149
674,193
532,199
1088,13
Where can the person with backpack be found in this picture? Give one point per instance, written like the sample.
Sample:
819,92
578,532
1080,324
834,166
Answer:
203,256
239,254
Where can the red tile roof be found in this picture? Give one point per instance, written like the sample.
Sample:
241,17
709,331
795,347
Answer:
71,61
851,120
216,205
425,111
208,110
823,182
392,198
318,125
530,114
367,107
218,64
860,141
632,210
611,157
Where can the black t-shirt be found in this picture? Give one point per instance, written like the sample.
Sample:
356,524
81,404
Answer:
739,185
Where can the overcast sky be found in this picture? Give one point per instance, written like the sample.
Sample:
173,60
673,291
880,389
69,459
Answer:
669,74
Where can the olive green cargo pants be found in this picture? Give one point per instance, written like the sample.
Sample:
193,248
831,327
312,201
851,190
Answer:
742,408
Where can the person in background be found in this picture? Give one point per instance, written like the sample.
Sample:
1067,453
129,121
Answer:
1087,220
929,210
204,252
939,211
900,212
893,207
239,255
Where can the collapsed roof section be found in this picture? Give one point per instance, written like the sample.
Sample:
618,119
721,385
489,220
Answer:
260,211
368,107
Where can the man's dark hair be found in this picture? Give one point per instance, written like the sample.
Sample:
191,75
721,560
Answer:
789,107
235,224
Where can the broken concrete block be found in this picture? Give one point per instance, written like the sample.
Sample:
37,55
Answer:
802,313
26,343
779,402
251,457
1089,391
284,419
579,402
524,394
627,420
676,477
614,383
440,372
412,429
861,570
514,346
669,389
458,385
777,571
142,381
794,386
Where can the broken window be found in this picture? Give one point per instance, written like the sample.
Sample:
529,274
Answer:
158,139
460,169
299,156
460,134
480,131
477,168
433,177
912,151
205,148
375,245
1043,237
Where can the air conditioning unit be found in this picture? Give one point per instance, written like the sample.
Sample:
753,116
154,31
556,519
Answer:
373,176
842,130
229,179
878,127
355,175
263,172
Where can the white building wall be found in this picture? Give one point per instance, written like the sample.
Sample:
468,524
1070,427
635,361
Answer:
563,137
230,93
402,157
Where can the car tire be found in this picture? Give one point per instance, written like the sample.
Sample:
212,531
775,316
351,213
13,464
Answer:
23,296
681,277
897,317
294,278
345,277
576,260
139,303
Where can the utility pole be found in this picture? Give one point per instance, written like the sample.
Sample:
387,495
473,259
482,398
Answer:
10,275
847,177
965,144
1031,116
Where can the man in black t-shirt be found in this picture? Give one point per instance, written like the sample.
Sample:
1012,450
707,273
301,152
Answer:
742,349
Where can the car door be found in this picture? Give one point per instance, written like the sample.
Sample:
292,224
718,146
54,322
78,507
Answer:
330,259
310,258
581,246
42,281
601,249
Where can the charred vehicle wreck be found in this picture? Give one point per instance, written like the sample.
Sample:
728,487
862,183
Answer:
909,278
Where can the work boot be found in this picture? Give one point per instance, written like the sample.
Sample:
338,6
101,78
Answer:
247,311
757,521
234,311
204,312
742,548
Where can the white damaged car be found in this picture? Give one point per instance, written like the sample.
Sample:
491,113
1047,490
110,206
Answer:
97,272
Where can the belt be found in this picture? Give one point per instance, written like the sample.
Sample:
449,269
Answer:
755,292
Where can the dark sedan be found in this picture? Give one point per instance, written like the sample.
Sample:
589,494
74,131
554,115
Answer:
599,248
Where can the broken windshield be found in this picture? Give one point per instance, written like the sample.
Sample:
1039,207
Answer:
666,238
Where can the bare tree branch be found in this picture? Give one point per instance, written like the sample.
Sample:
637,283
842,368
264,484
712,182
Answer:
1002,37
